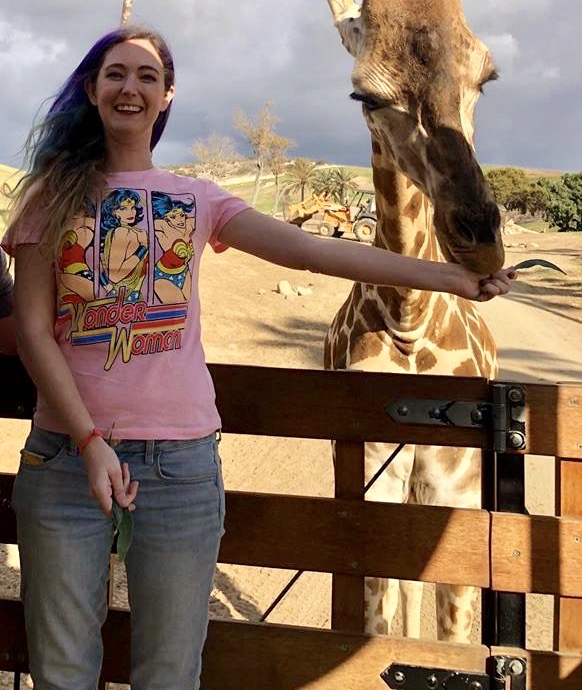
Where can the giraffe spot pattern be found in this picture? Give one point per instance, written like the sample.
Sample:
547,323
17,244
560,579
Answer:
425,361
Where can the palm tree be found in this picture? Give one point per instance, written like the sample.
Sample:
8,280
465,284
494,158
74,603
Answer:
301,174
325,184
126,10
344,184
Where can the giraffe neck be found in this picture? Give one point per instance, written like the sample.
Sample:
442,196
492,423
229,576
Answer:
404,226
405,215
401,329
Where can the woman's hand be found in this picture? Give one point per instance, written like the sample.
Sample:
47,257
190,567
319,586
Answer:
479,287
108,479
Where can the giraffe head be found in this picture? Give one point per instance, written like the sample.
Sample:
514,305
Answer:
418,73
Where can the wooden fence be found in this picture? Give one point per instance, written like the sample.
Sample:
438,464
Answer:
501,551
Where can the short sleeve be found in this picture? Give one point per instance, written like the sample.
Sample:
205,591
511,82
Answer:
222,207
28,230
5,287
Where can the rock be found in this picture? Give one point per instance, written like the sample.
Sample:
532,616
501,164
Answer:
261,291
303,291
284,288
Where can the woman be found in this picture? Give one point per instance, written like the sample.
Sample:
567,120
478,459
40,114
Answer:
132,370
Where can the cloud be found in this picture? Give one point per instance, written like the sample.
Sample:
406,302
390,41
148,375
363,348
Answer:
232,55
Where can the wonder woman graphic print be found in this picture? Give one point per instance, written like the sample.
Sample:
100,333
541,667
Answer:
125,272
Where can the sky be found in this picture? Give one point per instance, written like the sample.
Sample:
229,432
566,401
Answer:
239,54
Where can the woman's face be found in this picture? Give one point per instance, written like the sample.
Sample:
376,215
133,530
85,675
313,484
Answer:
129,91
126,212
177,218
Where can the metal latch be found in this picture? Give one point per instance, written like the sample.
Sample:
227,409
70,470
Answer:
401,677
504,416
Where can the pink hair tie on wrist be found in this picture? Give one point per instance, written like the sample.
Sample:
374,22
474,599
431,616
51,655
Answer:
87,440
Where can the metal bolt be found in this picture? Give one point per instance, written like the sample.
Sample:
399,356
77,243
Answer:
516,439
515,395
476,685
515,667
577,539
402,411
476,416
435,413
516,553
354,565
432,682
399,677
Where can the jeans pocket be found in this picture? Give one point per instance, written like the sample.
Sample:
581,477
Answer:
43,449
188,461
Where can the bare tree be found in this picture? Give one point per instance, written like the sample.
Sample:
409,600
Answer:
126,10
261,138
213,155
277,161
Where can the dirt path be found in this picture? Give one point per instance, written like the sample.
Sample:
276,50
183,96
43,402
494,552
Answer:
538,330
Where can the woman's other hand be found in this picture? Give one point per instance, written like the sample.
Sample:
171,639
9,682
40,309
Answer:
108,479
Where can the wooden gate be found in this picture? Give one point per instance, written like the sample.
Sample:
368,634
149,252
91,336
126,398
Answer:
500,551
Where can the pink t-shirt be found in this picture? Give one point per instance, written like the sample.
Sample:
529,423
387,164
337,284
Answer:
128,308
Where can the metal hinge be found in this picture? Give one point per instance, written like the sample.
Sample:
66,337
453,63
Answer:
401,677
503,673
504,416
507,672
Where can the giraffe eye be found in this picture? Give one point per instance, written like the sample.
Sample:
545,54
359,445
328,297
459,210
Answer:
368,101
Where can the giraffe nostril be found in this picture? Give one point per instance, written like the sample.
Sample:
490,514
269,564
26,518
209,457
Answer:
478,227
465,225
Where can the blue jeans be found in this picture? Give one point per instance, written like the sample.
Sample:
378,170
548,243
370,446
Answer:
65,542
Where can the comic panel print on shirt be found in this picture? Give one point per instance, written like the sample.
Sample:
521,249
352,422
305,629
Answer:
124,246
74,270
174,224
125,274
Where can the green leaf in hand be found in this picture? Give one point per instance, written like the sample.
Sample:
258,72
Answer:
530,263
122,529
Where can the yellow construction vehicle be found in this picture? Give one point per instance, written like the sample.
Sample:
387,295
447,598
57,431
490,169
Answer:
319,215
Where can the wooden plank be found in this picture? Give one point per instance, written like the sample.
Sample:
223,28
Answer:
347,591
433,544
427,543
241,655
342,405
534,553
350,405
547,670
286,658
570,610
430,543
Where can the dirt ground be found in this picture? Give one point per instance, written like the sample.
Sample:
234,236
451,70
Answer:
538,328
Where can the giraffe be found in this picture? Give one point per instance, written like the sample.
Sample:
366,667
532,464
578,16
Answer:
418,73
